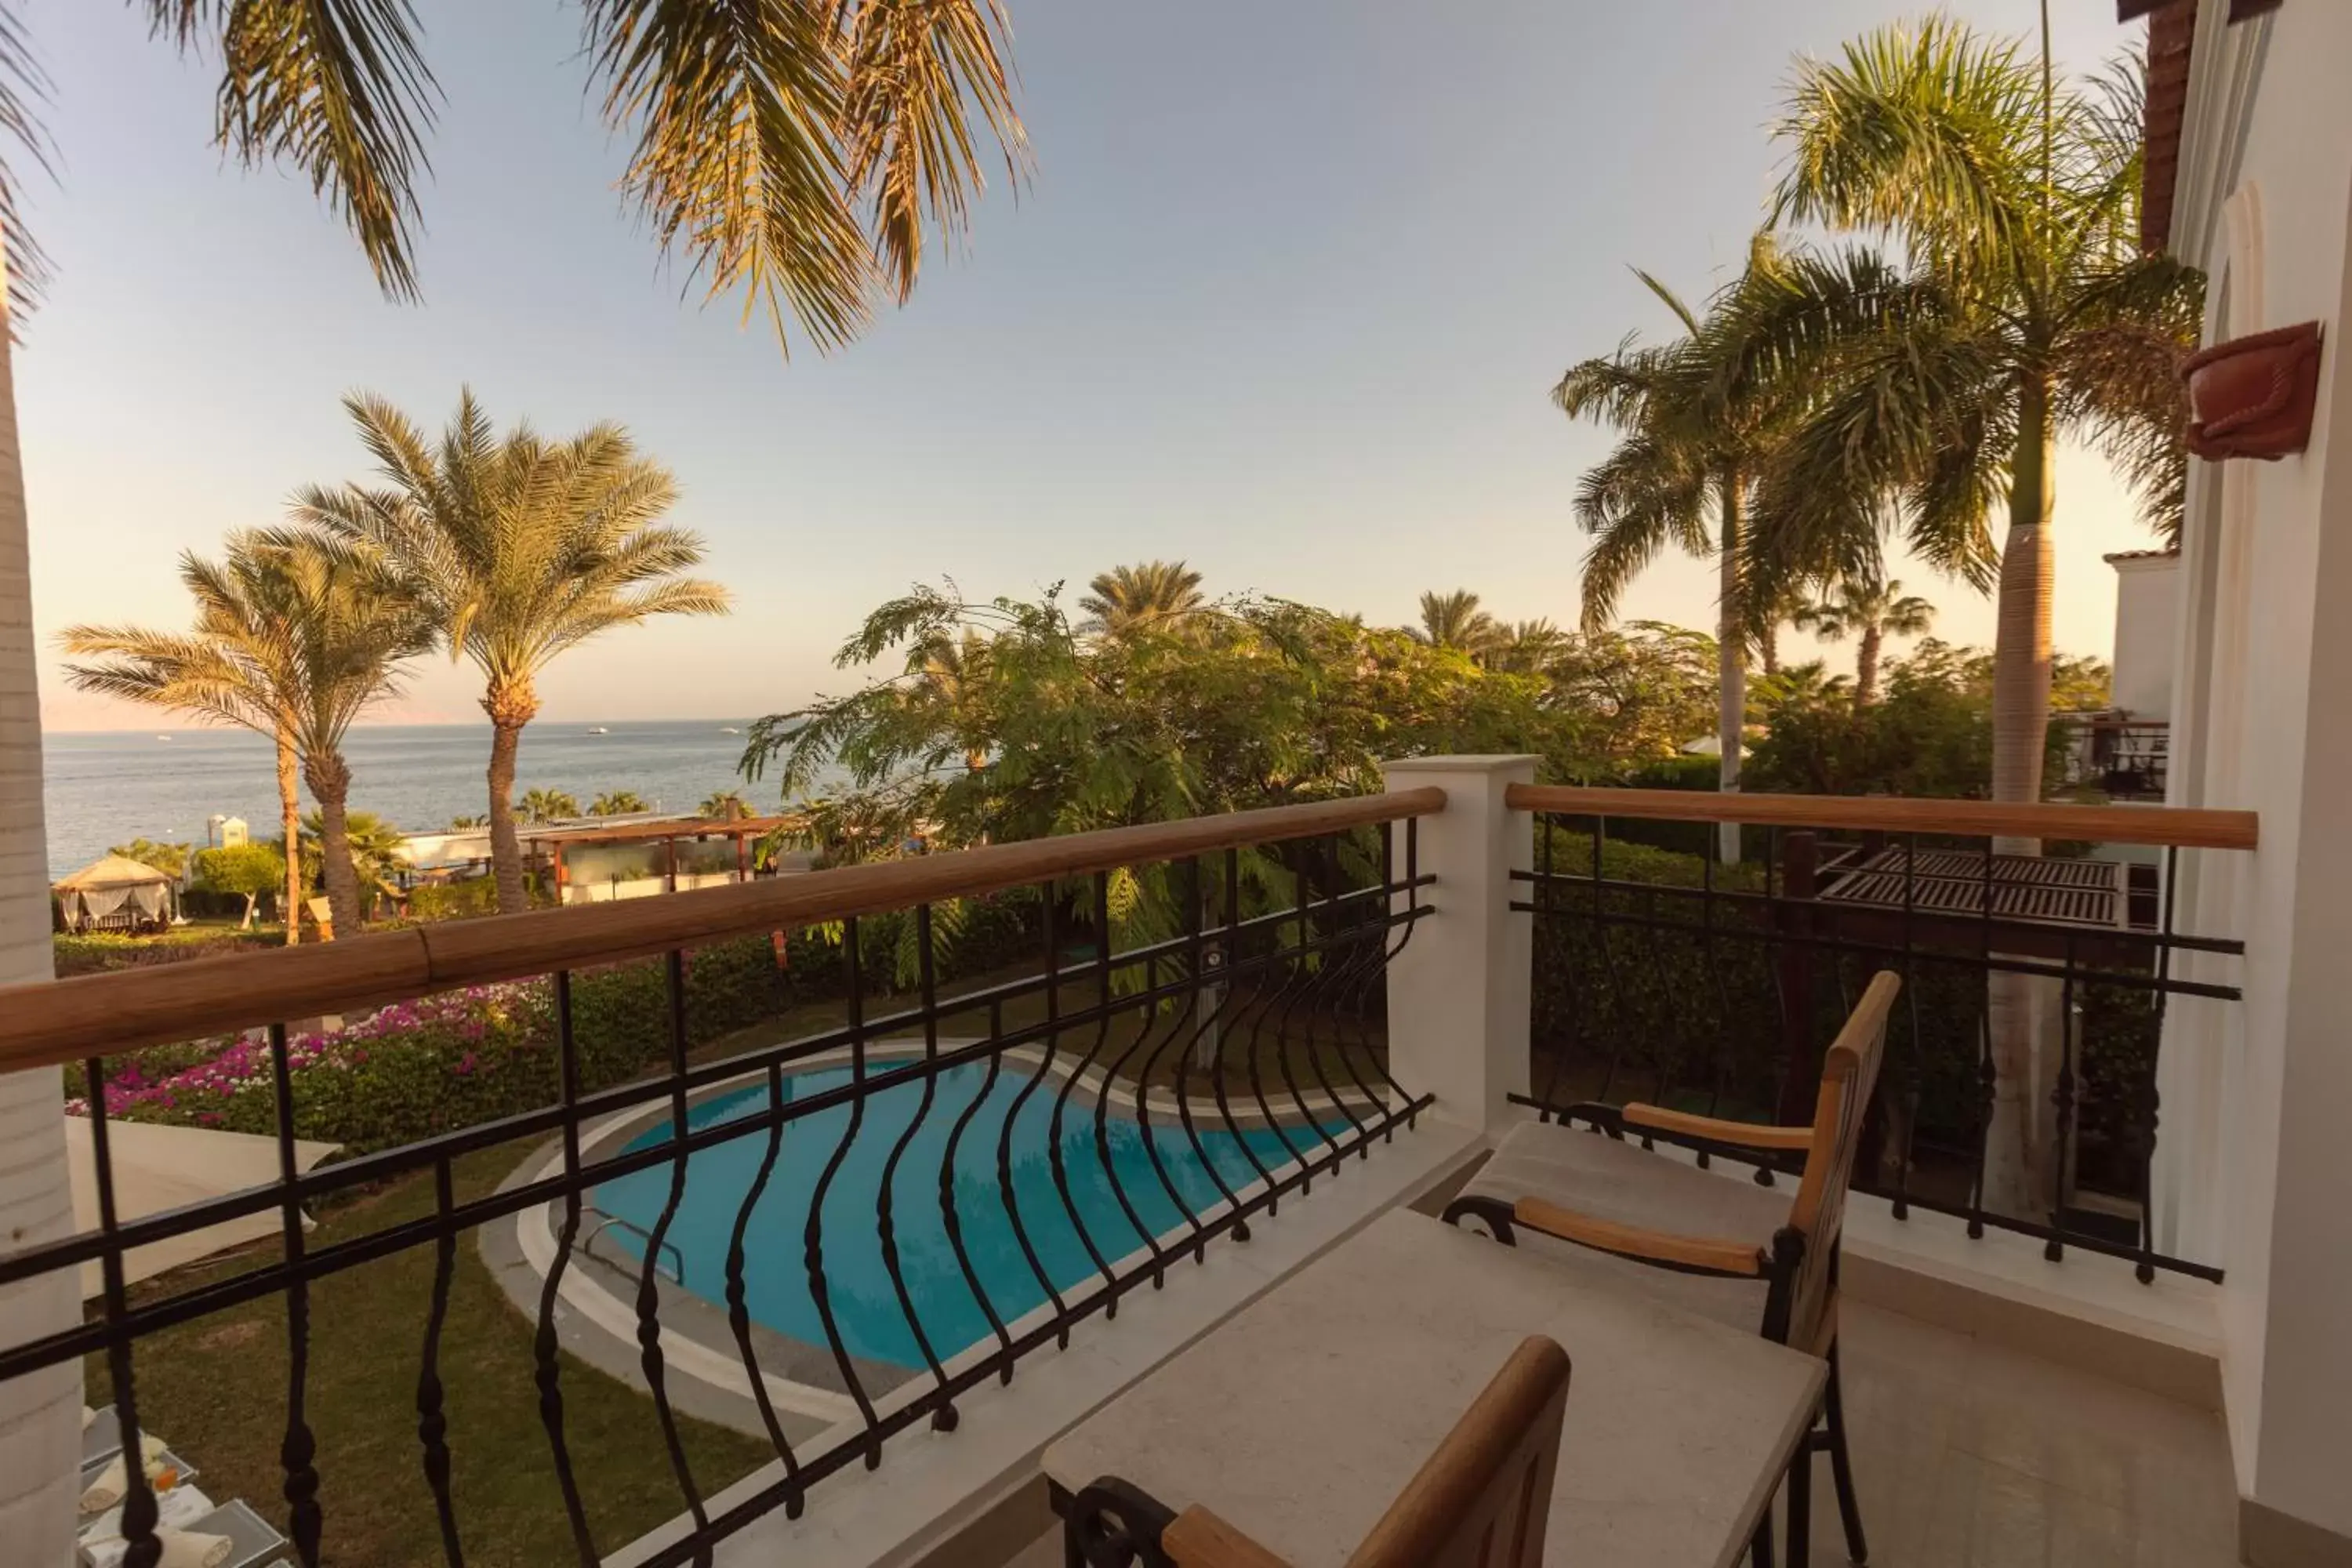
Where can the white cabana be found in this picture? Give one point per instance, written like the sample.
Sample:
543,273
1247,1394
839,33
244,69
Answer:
159,1167
113,892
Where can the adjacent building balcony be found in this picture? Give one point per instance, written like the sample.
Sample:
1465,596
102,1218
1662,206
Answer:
790,1220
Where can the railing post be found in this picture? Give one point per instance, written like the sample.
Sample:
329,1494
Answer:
1459,991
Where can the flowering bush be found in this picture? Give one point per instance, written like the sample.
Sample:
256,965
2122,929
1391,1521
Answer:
463,1058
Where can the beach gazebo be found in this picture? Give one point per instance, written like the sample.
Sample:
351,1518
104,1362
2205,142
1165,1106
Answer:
114,893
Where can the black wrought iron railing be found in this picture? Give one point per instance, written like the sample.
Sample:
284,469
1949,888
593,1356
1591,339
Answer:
1183,1036
2020,1089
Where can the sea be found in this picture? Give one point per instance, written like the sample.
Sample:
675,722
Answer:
104,789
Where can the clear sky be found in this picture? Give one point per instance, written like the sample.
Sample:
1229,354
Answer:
1284,299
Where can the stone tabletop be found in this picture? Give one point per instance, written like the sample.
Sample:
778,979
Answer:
1301,1419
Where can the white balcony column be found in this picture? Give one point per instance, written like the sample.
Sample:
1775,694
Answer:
40,1433
1459,992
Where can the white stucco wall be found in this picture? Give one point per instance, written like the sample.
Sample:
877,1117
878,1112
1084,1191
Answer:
2147,596
2259,1096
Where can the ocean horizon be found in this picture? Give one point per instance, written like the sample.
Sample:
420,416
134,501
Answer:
104,787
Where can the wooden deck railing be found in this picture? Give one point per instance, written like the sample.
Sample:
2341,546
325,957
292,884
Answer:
2174,826
48,1023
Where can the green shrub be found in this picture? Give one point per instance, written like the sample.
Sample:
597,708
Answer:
454,900
101,952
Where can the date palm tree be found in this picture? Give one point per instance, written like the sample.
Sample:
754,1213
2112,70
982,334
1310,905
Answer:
2027,310
806,156
723,805
1526,648
292,640
541,805
1129,596
1699,419
522,548
1455,620
617,803
1870,611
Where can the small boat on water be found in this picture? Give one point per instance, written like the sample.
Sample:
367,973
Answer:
729,730
164,737
598,730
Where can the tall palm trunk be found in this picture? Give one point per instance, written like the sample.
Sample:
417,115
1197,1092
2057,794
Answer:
511,705
2020,671
330,778
1767,646
2024,1020
39,1485
1866,666
1731,655
289,810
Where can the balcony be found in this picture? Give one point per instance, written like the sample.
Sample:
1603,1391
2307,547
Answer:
818,1279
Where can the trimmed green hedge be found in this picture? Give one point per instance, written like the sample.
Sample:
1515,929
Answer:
1690,1011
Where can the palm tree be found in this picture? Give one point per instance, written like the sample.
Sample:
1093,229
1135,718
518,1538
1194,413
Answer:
804,159
1697,425
469,824
374,847
292,641
2028,310
723,805
617,803
1455,620
522,548
543,806
1870,610
1526,648
1130,596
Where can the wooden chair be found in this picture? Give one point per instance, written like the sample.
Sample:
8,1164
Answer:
1480,1502
1732,1250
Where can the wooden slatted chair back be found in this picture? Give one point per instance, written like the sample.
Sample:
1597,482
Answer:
1849,1078
1480,1502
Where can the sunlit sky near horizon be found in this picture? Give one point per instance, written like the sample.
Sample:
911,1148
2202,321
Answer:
1284,299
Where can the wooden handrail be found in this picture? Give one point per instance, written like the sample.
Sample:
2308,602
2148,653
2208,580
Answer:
51,1022
2158,825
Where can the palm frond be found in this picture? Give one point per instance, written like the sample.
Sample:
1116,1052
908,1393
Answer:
339,90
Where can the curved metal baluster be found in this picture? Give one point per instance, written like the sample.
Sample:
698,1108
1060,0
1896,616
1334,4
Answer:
139,1508
649,1356
1306,977
299,1448
1389,955
1055,1159
1142,1082
1361,947
814,1237
943,1419
1340,956
1241,1012
543,1343
1209,1019
953,1220
739,1312
1012,1116
432,1424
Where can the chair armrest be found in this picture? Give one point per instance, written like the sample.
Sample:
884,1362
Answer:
1682,1123
1714,1255
1199,1539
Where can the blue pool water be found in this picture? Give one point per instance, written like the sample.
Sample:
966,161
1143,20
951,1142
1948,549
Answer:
866,1309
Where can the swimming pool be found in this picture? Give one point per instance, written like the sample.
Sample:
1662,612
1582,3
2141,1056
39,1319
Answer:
866,1308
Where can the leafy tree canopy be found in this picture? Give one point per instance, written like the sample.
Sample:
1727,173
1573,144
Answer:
249,869
1254,702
